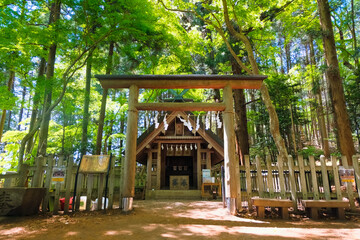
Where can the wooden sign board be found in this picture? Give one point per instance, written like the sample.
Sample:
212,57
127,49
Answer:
94,164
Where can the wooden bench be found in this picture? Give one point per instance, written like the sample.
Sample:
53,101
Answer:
282,204
312,207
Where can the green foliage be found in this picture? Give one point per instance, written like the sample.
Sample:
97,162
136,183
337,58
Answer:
311,151
7,99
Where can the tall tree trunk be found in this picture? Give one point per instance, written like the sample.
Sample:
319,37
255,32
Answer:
103,102
44,127
241,130
274,120
353,34
86,115
335,83
22,107
293,131
35,104
319,103
3,116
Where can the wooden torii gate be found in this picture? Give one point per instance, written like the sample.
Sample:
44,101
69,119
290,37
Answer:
225,82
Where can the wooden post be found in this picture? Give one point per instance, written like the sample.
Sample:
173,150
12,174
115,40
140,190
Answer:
89,186
68,182
270,177
80,180
259,177
158,167
349,186
325,178
357,172
238,188
100,191
148,170
314,178
208,160
336,178
230,161
302,177
38,176
111,184
281,177
248,182
292,181
130,150
198,166
48,178
57,188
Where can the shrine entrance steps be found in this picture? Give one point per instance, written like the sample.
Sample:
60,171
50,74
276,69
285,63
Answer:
173,194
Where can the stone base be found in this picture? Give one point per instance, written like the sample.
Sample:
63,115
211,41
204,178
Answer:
20,201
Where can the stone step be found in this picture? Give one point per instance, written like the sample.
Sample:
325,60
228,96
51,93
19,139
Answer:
173,194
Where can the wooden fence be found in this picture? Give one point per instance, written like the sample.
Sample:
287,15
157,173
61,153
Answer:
296,179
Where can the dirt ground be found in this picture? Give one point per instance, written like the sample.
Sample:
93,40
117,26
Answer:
175,220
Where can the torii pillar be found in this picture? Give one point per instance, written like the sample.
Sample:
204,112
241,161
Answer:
232,181
128,186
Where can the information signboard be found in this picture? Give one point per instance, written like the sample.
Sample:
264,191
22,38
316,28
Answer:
58,174
346,174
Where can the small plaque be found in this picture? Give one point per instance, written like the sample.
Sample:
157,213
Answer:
179,182
58,174
346,174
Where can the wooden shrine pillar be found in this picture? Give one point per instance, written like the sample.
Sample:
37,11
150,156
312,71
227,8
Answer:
198,166
158,167
149,170
231,181
130,150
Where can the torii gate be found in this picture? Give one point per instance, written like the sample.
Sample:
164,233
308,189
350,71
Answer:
226,82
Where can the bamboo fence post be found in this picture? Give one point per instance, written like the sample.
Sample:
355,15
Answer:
302,177
314,178
281,177
260,181
357,172
325,178
49,170
349,186
68,181
270,177
248,181
336,177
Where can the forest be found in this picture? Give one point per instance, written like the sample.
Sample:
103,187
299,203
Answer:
50,51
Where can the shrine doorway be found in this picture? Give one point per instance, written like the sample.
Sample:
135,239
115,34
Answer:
179,173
